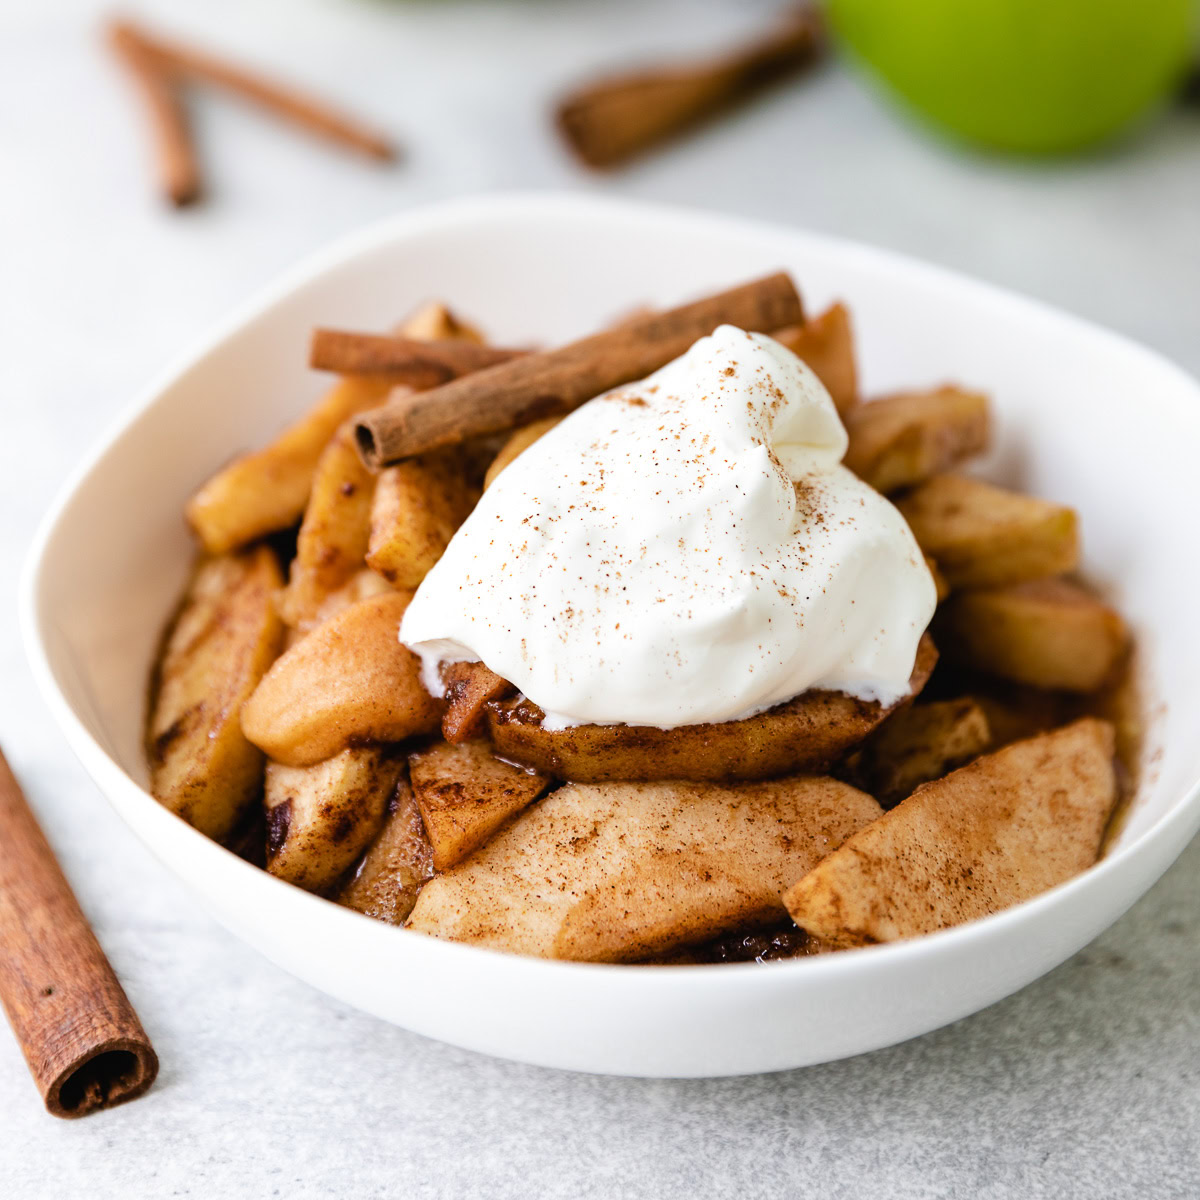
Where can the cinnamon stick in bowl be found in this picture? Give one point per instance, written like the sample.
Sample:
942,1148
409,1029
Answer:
84,1044
555,381
409,361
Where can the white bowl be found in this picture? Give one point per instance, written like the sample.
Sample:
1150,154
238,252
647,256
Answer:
1084,416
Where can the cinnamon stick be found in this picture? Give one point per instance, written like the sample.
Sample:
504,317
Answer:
178,61
175,153
409,361
556,381
616,118
82,1040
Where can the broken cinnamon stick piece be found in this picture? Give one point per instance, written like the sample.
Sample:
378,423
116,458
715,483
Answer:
84,1044
315,116
409,361
616,118
555,381
174,150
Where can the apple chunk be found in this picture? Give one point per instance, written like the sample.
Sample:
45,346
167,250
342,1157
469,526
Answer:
435,322
619,872
224,638
419,505
826,344
470,687
362,585
920,743
347,683
320,818
1003,829
985,536
332,543
396,865
807,733
267,490
901,440
465,793
1049,633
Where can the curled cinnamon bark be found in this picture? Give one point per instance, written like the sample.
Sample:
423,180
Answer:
301,109
160,67
84,1044
556,381
410,361
614,119
175,154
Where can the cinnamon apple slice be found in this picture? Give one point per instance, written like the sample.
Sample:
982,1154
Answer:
807,733
620,872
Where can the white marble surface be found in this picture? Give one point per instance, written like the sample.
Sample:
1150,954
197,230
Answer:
1085,1084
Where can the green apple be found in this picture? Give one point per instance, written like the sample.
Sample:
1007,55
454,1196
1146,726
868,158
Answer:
1035,76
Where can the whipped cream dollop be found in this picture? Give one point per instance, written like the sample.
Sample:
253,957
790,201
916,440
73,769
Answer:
683,549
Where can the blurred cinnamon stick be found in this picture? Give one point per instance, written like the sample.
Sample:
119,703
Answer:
175,153
159,67
409,361
555,381
82,1040
616,118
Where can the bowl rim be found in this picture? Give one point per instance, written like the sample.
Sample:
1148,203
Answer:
412,224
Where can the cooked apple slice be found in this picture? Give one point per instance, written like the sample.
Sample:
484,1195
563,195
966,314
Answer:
348,682
901,440
1006,827
984,536
517,444
470,687
434,322
320,818
617,872
465,793
805,734
1049,633
225,637
332,543
1015,712
265,491
419,504
920,743
396,865
362,585
826,344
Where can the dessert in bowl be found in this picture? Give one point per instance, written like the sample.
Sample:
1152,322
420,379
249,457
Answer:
561,803
612,690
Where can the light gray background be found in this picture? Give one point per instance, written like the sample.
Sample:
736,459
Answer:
1085,1084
